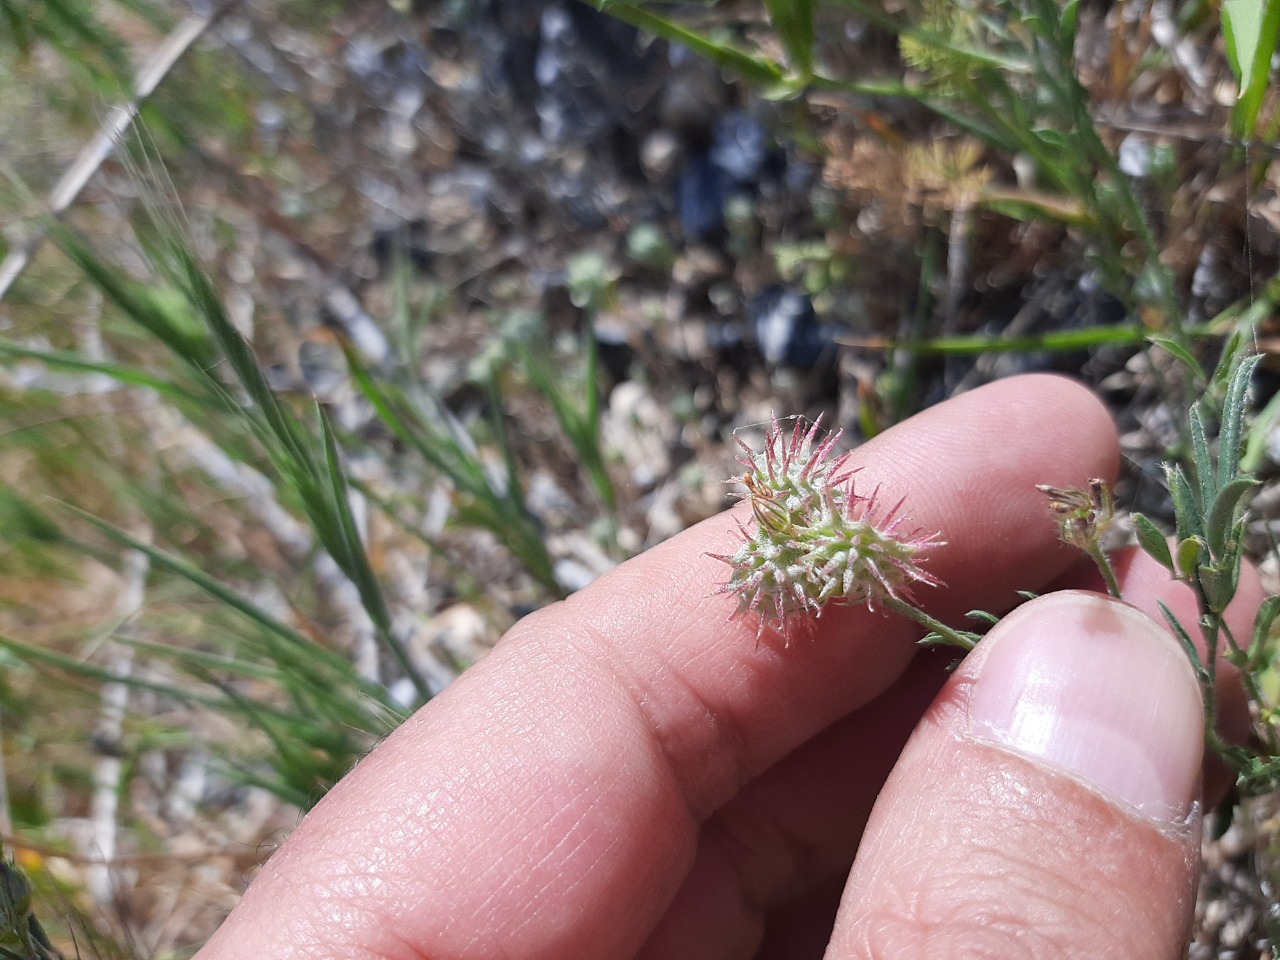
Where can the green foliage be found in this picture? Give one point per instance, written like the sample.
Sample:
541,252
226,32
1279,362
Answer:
581,424
719,49
21,935
792,20
1209,497
495,502
70,27
1250,29
329,715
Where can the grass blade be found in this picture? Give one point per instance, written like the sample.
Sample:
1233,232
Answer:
233,600
1054,341
350,553
1250,29
123,374
1179,350
793,22
755,70
500,511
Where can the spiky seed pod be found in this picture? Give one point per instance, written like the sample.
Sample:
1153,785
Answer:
816,540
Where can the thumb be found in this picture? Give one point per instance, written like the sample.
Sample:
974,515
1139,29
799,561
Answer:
1047,805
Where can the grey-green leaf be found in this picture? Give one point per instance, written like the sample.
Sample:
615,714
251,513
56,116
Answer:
1218,524
1181,633
1186,509
1233,408
1202,460
1153,541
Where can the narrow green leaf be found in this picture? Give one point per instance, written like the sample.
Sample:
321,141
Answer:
1177,349
1233,350
81,668
1250,29
352,557
291,449
1069,21
19,24
793,22
582,427
219,591
209,661
510,462
1201,459
1233,412
757,71
1188,645
1153,541
501,511
1186,508
1054,341
988,132
122,373
1220,521
592,378
1052,209
348,546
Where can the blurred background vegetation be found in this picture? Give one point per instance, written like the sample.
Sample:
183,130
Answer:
334,337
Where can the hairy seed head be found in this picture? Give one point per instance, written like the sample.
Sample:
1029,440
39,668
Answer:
1083,515
815,540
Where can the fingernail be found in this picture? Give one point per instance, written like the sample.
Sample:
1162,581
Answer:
1098,689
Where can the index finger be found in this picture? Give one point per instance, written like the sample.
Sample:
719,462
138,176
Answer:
547,804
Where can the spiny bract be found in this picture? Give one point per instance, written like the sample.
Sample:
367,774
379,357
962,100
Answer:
816,540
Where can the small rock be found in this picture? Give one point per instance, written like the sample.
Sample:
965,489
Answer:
787,330
641,431
701,195
658,154
739,147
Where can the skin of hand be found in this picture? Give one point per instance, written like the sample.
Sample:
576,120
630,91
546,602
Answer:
630,773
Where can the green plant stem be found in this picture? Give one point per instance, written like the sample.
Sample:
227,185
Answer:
1054,341
964,639
1239,656
1211,630
1103,562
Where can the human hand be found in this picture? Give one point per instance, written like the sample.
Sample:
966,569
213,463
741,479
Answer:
630,774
